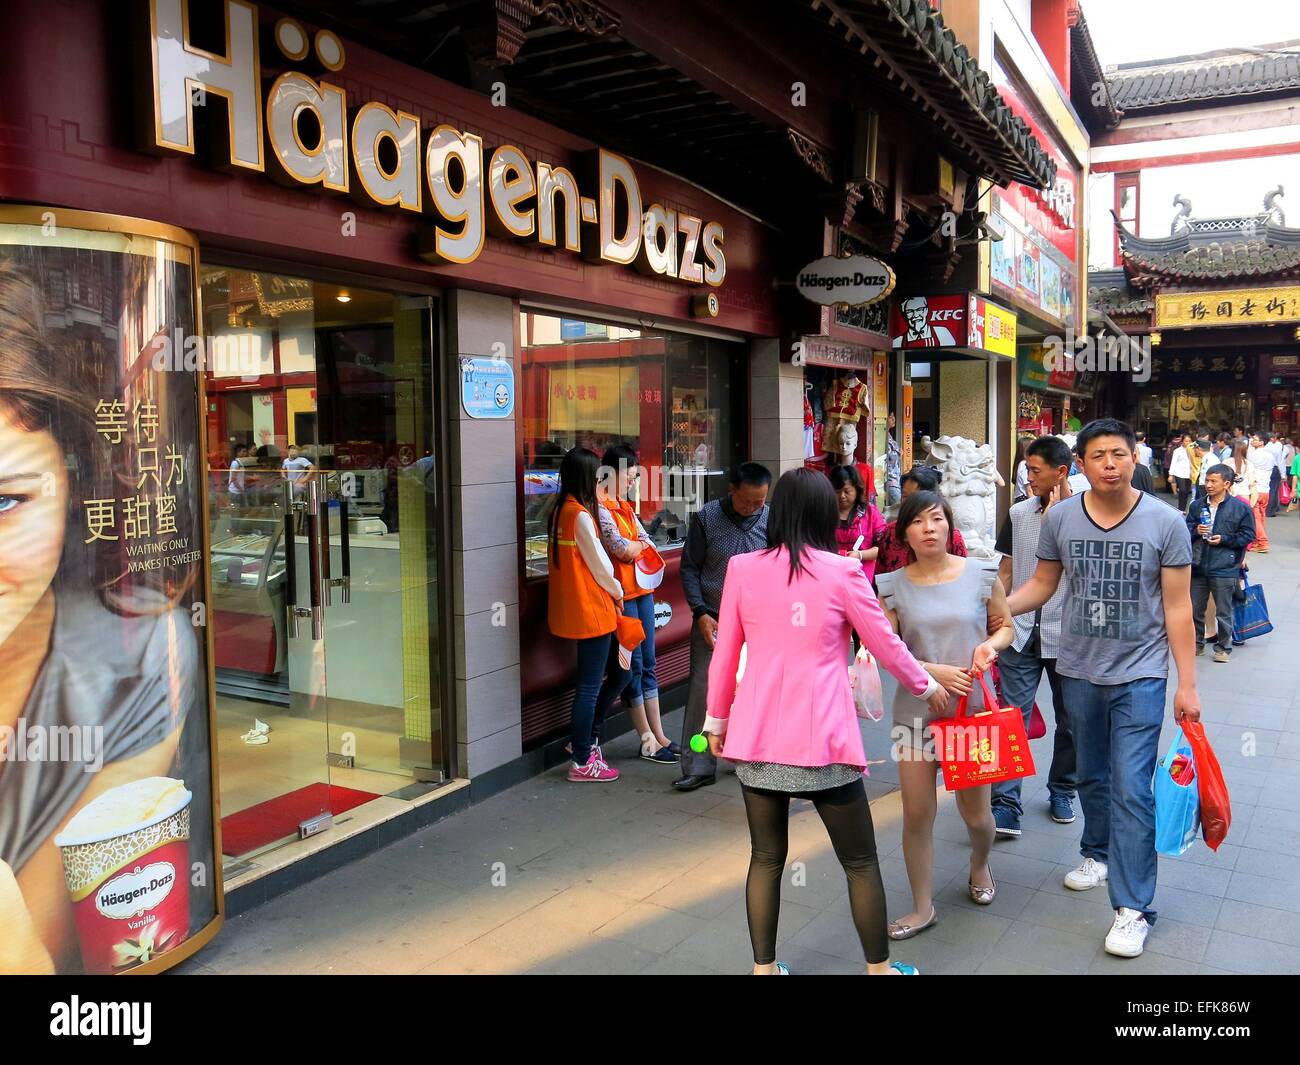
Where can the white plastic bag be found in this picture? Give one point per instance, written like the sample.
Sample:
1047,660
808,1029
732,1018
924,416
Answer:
864,679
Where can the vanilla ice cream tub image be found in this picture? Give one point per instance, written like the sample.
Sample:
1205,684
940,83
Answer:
126,861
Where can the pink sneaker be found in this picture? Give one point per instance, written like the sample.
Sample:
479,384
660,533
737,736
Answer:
595,770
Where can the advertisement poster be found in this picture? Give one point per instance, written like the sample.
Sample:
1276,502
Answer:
1003,261
1051,278
1027,280
106,833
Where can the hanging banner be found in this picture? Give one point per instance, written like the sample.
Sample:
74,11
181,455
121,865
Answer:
107,835
905,429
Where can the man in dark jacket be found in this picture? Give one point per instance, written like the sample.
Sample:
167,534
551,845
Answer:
721,529
1218,547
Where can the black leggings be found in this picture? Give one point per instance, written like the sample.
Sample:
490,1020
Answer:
847,817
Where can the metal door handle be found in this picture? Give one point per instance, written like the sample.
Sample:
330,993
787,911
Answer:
313,575
320,492
290,565
345,544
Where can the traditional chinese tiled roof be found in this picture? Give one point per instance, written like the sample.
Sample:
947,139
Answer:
1087,82
1253,249
1266,70
919,51
1117,299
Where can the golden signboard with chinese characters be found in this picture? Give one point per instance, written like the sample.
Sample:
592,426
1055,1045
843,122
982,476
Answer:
1238,306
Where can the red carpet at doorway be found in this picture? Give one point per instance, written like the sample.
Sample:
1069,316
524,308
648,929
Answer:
279,817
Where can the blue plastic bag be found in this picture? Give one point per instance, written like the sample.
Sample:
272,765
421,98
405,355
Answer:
1178,802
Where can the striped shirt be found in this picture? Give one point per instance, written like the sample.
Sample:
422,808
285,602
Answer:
1024,520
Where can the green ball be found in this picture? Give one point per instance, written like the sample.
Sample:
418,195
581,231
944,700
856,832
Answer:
699,744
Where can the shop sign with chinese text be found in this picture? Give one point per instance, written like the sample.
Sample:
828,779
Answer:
1244,306
992,328
962,320
827,351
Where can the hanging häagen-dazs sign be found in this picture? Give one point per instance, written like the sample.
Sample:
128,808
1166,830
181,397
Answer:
306,131
855,280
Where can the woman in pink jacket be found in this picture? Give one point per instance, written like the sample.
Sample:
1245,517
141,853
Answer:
789,723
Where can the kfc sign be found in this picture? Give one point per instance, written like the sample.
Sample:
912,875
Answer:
954,321
930,322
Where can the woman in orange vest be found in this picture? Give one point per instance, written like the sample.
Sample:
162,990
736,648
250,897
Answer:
630,548
585,599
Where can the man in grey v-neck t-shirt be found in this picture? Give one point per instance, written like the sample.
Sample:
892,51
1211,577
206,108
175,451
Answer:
1127,606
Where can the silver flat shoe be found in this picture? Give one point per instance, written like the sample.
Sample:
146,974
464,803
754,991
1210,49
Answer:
898,930
982,896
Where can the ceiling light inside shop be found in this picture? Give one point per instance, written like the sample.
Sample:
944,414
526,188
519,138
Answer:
343,297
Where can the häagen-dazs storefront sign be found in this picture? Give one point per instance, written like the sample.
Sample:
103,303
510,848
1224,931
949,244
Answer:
853,280
308,132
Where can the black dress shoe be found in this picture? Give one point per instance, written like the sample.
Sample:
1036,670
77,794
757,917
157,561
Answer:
693,781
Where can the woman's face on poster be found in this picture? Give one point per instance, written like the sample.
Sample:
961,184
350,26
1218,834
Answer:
33,519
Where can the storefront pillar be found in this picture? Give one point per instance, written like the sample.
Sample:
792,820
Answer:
776,408
485,545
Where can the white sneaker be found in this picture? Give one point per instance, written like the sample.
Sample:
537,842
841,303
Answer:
257,735
1128,934
1088,875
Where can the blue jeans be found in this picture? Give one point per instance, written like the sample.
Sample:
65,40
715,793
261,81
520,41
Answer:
592,655
642,684
1116,731
1021,672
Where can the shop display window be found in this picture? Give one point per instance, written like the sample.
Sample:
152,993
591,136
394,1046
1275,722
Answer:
594,385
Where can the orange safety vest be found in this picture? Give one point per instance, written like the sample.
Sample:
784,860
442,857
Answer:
578,607
625,519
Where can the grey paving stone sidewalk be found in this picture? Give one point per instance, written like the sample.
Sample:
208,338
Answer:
631,877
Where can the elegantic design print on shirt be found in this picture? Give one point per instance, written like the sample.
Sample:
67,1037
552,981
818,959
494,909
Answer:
1105,587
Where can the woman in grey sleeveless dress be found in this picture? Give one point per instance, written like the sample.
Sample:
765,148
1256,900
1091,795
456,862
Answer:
943,606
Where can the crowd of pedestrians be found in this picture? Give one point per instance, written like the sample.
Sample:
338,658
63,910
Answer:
1098,587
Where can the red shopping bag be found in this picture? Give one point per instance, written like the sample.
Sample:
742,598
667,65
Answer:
982,748
1037,726
1216,809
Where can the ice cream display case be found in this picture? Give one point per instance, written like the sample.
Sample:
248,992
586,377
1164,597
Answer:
541,494
248,590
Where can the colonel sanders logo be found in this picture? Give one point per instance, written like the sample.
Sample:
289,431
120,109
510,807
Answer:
924,328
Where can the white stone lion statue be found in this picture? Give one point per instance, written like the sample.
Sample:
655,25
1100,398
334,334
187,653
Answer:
970,481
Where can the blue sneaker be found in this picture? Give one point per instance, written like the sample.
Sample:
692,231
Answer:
1062,809
1006,821
904,969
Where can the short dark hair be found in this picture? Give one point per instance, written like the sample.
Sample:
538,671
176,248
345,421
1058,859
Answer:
802,515
842,475
1223,470
926,478
913,507
1140,435
1051,449
752,473
619,453
1104,427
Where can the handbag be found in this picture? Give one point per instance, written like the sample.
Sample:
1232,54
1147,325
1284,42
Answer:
1250,619
1178,807
982,748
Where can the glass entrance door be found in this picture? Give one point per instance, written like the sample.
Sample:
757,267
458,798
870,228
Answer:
321,432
